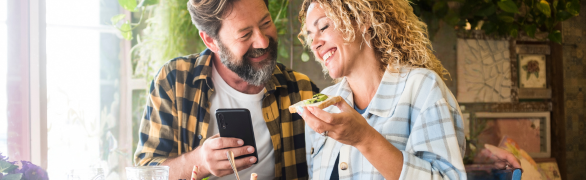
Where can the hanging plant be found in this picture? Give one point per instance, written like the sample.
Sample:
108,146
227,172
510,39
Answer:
498,17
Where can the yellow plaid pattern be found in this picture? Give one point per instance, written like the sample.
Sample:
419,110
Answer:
177,115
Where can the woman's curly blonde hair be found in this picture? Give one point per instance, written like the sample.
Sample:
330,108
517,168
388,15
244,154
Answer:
397,35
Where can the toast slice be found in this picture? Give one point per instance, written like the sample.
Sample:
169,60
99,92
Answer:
323,104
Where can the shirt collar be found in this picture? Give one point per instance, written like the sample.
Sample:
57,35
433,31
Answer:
387,95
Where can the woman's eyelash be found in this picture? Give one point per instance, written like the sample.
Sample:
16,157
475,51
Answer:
324,28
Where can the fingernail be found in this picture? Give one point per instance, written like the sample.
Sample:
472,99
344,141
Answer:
299,110
240,142
250,149
252,159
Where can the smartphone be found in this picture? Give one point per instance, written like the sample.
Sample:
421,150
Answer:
237,123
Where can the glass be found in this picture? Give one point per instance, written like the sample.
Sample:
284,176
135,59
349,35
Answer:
83,89
3,78
147,173
86,174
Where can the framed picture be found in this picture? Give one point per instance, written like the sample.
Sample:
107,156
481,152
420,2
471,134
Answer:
484,71
530,130
532,72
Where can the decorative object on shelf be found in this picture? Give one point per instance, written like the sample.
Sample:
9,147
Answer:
28,171
503,17
484,73
532,71
531,131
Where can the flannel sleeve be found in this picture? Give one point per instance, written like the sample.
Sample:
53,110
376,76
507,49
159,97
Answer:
157,140
436,145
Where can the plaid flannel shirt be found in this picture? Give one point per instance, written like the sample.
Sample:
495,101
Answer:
414,111
177,115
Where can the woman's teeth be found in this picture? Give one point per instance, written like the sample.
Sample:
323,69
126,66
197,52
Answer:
328,55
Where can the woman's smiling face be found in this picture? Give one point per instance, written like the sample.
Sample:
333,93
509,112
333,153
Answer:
328,46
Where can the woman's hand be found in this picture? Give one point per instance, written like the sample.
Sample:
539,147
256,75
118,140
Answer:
348,127
503,159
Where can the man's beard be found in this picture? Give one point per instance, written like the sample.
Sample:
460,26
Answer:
255,74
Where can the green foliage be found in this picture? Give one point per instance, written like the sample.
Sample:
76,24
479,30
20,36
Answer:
498,17
129,5
12,177
169,33
6,167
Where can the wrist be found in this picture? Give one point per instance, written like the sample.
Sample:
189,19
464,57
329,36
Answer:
368,138
194,158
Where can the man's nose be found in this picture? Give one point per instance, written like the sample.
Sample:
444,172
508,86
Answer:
261,40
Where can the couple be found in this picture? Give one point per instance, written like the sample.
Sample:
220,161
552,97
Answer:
398,120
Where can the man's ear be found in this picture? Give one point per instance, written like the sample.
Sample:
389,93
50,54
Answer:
209,41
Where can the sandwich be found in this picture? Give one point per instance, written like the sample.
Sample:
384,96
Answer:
319,100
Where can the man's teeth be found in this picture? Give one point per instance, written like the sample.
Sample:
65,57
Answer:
327,55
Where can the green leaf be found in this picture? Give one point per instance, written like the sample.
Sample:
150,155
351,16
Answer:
487,11
563,15
283,52
6,167
555,36
528,74
543,7
514,32
508,6
573,8
440,9
506,18
128,4
488,27
304,57
117,18
12,177
555,5
452,18
126,31
530,29
144,3
536,74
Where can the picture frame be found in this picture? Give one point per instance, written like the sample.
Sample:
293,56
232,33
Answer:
531,130
531,70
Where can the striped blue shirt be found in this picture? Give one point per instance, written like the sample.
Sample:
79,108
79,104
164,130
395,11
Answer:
414,111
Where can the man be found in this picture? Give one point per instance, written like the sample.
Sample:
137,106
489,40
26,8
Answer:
238,70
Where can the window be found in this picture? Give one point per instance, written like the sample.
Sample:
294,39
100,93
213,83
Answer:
3,77
83,88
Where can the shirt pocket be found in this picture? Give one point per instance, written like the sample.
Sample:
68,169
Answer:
318,144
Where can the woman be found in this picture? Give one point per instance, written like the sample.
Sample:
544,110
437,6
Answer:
399,120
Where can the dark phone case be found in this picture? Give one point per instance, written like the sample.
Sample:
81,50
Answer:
237,123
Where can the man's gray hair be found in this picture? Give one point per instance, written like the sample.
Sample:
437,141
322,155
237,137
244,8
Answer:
207,15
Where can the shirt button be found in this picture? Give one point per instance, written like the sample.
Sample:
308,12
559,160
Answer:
311,150
199,136
343,166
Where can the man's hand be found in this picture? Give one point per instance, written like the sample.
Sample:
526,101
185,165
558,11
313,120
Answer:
214,159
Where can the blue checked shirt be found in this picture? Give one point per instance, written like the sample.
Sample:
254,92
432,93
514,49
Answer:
414,111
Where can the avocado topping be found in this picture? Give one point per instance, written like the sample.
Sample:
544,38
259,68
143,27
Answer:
316,98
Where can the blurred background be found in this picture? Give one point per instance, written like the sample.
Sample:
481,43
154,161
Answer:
74,74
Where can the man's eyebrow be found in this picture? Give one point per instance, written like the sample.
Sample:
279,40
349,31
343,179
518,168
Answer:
250,27
264,18
315,24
